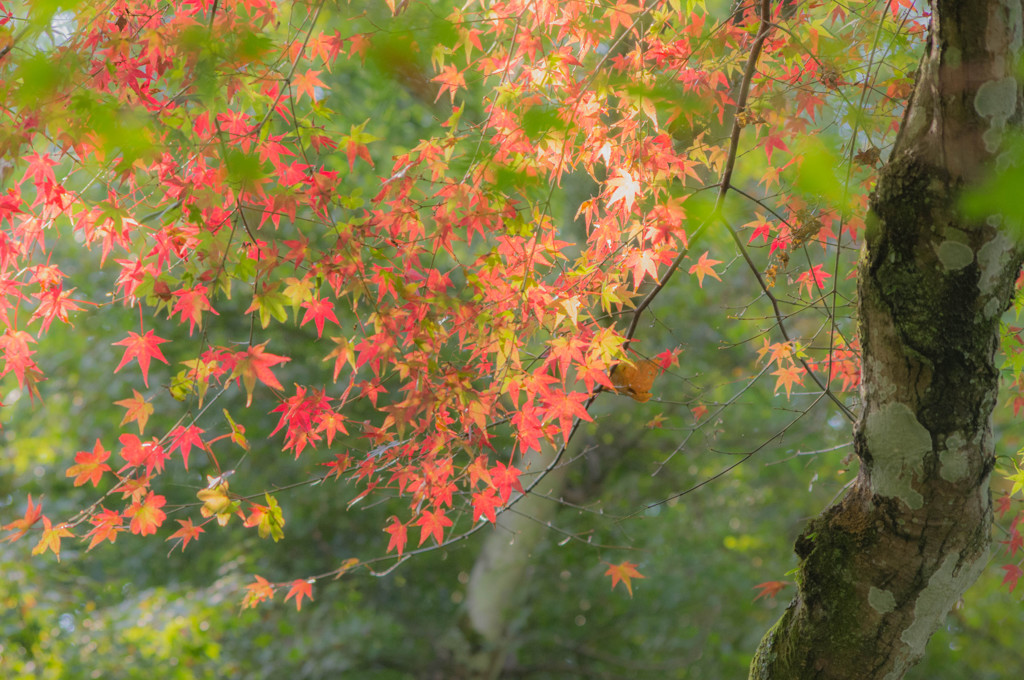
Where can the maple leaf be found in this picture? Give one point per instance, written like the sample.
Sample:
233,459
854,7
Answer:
506,478
259,591
184,438
300,588
1015,541
623,572
624,189
642,263
267,519
254,364
399,535
318,311
567,406
634,379
814,277
146,514
1013,574
451,80
769,589
142,348
306,83
106,526
704,267
432,523
216,501
1003,504
187,532
786,377
51,538
89,467
21,526
478,471
191,304
484,503
139,410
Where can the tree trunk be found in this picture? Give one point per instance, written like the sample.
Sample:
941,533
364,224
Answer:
880,570
494,592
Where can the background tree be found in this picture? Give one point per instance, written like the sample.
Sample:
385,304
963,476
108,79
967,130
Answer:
457,274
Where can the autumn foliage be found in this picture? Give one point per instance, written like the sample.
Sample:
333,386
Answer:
458,320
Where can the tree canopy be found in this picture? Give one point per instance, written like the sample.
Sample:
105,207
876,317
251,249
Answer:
390,282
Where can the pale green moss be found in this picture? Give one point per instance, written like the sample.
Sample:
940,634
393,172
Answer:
898,443
953,458
996,100
882,601
954,255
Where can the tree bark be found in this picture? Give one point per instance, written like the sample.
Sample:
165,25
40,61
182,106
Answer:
880,570
496,583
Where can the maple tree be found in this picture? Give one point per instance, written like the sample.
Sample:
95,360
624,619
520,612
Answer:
457,331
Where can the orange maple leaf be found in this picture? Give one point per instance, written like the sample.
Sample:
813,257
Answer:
300,588
187,532
146,514
51,538
106,527
139,410
704,267
89,467
258,592
21,526
623,572
770,589
451,80
788,376
634,379
307,83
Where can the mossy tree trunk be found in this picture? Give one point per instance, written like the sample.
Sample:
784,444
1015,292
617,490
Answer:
880,570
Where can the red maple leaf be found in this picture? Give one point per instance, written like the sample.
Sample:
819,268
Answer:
142,348
484,503
814,276
254,364
623,572
399,535
1015,541
318,311
184,438
506,478
300,588
89,467
191,304
1013,573
432,523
